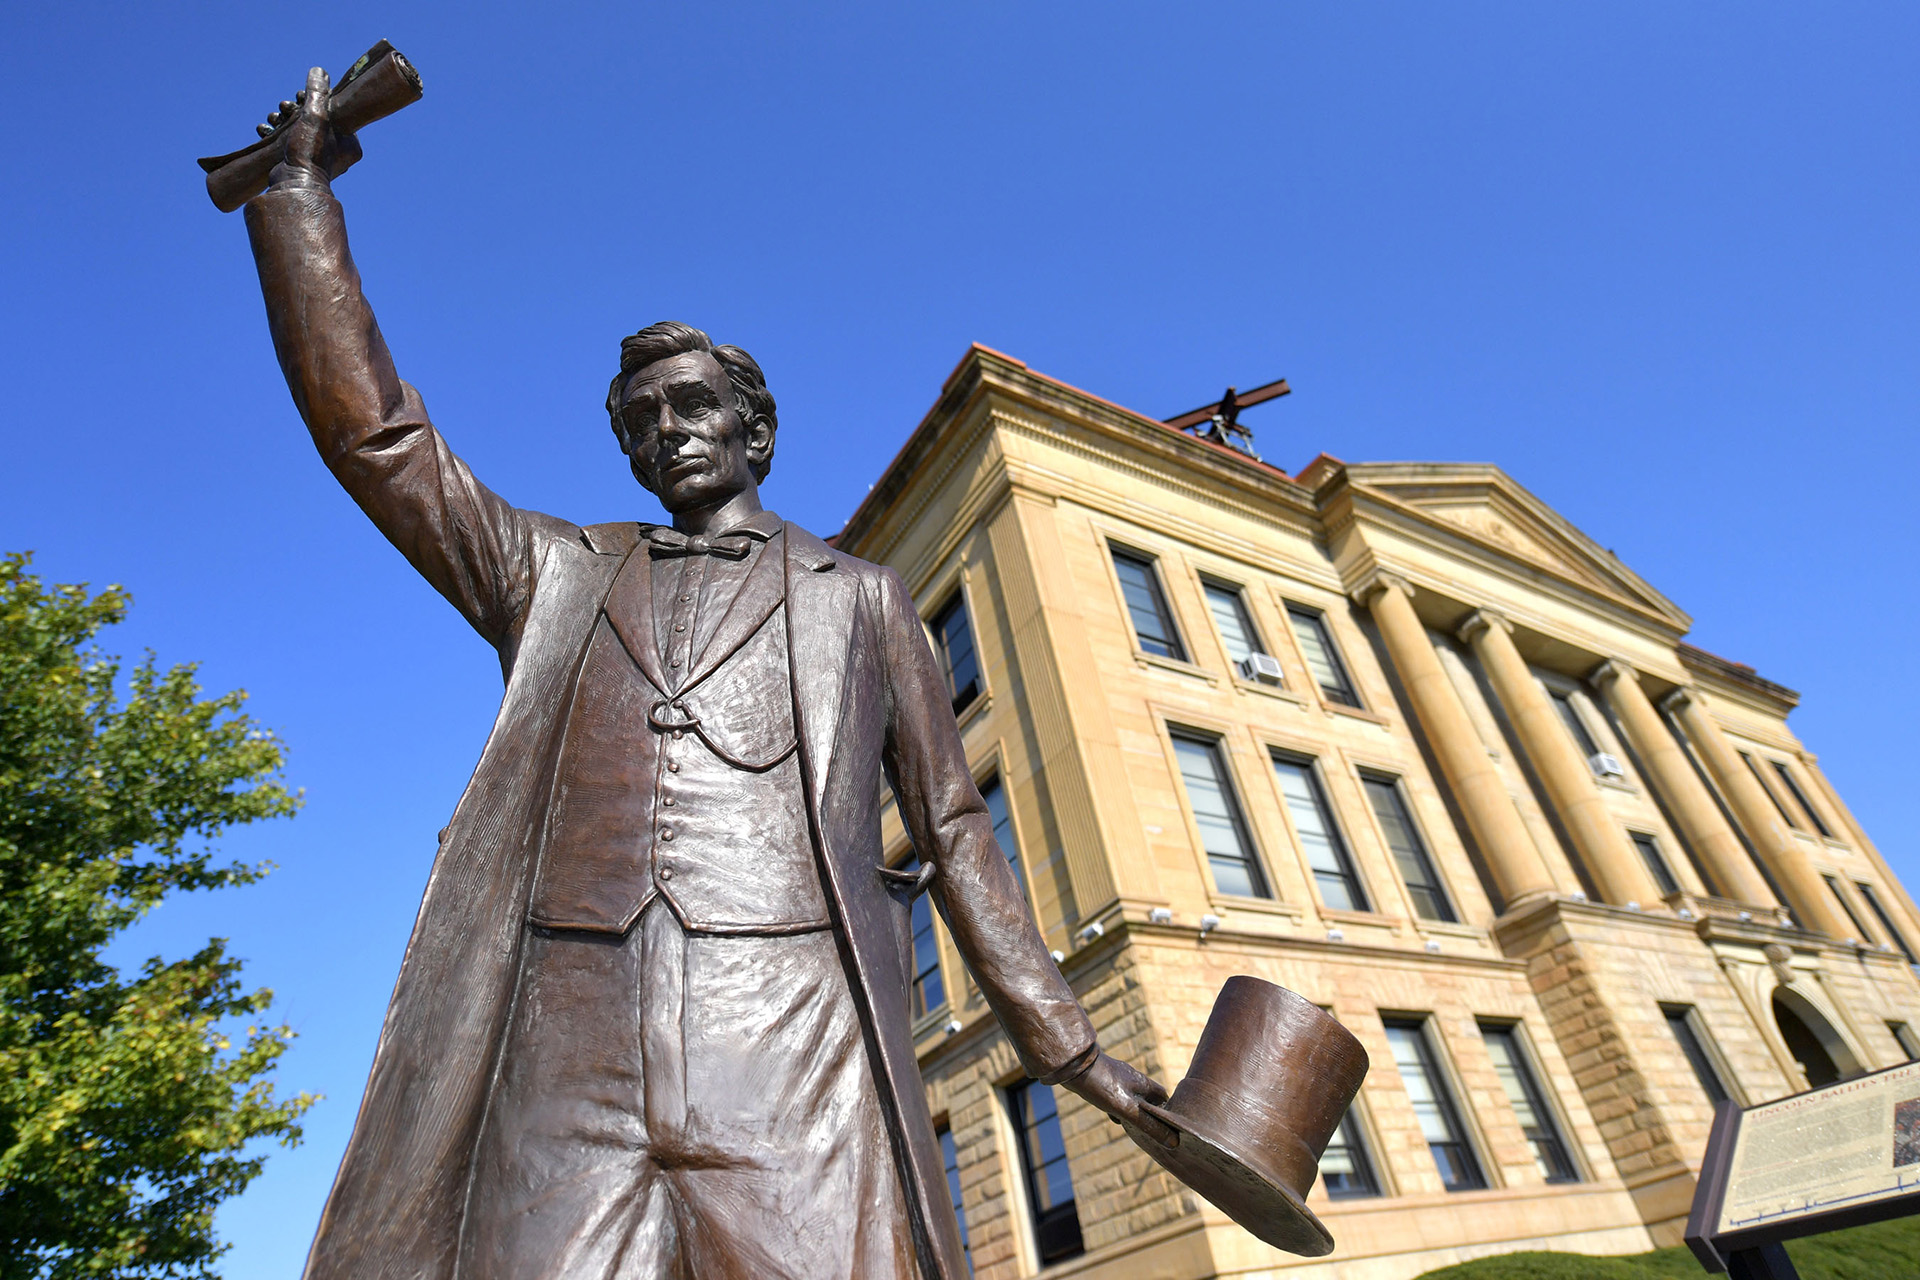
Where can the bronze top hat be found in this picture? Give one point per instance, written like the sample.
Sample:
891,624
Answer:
1271,1078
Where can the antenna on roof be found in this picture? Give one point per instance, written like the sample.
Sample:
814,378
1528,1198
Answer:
1220,421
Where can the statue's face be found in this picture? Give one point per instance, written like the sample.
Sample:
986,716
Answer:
685,436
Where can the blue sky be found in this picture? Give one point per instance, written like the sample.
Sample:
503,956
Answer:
1658,261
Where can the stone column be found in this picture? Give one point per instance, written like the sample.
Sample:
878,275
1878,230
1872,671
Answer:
1667,766
1812,905
1600,839
1503,839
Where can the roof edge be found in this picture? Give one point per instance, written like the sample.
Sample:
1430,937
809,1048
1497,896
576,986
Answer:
1701,662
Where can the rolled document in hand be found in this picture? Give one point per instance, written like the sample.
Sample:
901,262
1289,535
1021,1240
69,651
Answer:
380,83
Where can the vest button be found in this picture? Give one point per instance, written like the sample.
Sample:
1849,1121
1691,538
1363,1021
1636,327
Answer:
666,833
666,873
673,766
668,802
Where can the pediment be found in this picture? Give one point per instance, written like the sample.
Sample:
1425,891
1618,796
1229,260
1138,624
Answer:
1497,515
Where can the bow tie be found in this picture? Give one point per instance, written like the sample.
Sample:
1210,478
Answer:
663,540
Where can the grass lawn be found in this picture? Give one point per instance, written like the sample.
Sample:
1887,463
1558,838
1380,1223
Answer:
1883,1251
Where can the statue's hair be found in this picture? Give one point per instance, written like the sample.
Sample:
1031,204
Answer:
670,338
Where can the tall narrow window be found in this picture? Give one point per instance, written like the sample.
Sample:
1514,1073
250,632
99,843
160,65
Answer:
1800,797
1872,900
1323,660
1223,832
1333,872
1840,895
955,634
1570,716
1043,1159
1409,851
1656,862
996,797
1684,1025
1754,767
1229,610
1909,1042
928,992
1147,606
1433,1105
950,1156
1529,1102
1345,1169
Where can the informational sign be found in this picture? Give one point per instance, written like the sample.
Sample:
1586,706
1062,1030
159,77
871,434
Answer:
1835,1157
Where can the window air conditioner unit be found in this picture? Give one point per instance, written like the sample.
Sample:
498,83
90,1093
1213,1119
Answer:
1263,667
1606,766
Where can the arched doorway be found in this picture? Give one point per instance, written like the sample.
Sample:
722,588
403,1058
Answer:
1812,1041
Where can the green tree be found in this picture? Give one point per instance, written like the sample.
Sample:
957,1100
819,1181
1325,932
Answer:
126,1105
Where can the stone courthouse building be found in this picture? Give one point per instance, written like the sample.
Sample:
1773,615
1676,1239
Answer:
1400,738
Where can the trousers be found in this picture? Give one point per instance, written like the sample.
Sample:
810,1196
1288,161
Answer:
684,1106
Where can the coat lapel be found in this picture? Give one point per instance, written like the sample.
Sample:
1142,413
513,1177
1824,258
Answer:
820,606
630,612
753,604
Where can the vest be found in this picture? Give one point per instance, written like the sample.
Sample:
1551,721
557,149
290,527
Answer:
694,796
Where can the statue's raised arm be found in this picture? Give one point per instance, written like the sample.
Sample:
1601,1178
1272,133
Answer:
371,428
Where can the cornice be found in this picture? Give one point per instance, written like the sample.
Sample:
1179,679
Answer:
944,455
962,388
1299,521
1743,681
1094,428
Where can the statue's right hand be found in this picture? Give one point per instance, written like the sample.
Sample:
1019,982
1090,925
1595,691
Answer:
316,152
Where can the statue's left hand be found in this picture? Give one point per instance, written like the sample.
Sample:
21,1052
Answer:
1118,1090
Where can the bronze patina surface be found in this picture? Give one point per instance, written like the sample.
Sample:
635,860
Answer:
653,1019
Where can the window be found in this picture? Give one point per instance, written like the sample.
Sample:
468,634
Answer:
996,797
1223,832
950,1156
1684,1023
1570,716
1236,626
1320,840
1409,852
1323,660
1530,1108
1345,1170
1872,900
1043,1159
1657,867
1761,778
1147,606
927,992
1908,1041
1840,896
955,637
1433,1105
1800,798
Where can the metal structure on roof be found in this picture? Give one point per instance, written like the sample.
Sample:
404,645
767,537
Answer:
1220,421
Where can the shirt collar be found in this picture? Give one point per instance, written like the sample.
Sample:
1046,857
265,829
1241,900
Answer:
761,525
